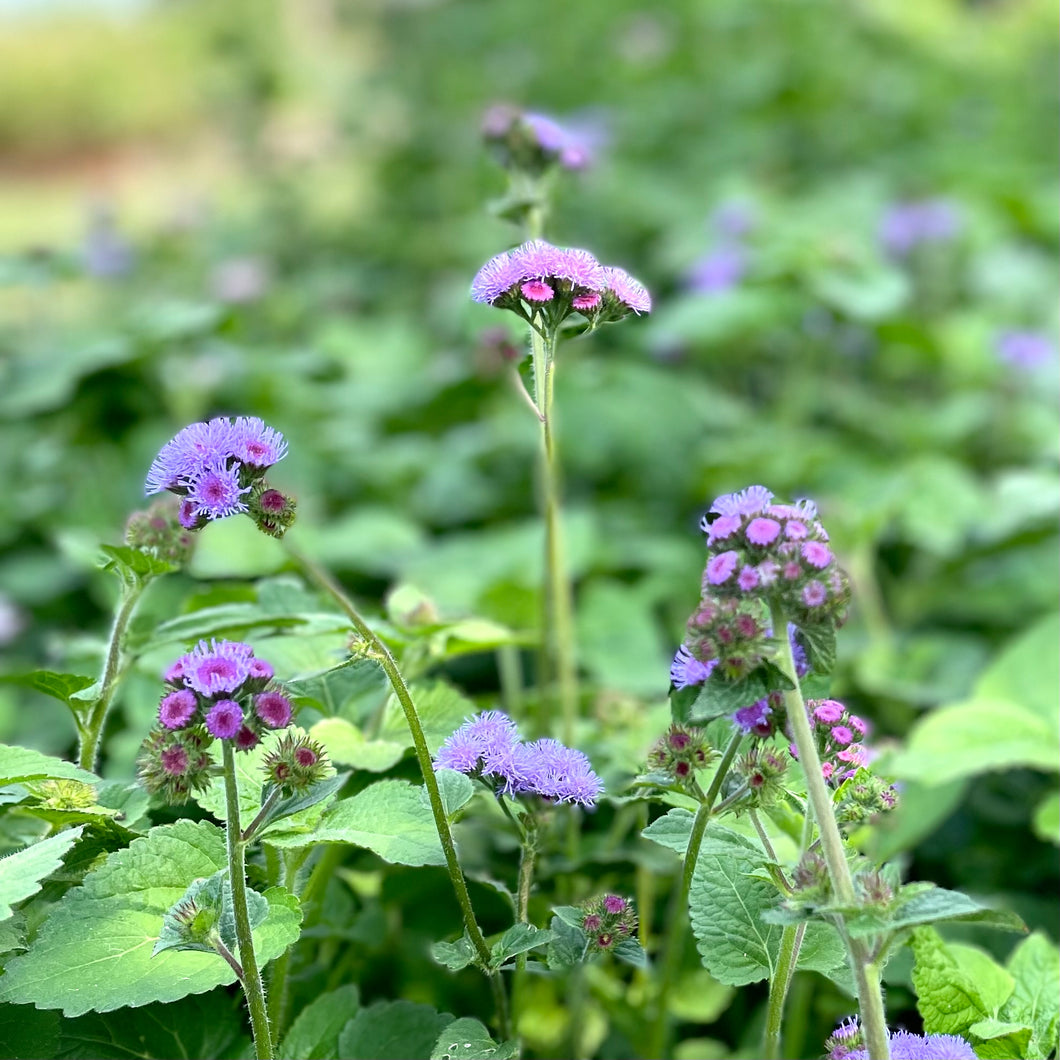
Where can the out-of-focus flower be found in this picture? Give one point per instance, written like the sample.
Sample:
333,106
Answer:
239,281
105,252
1026,350
719,270
907,225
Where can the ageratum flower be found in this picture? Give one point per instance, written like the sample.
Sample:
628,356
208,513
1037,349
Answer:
216,469
488,746
540,280
908,225
218,690
1026,350
534,143
847,1043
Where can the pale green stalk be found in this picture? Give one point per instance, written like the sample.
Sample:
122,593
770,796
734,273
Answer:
91,730
382,655
866,974
237,875
675,932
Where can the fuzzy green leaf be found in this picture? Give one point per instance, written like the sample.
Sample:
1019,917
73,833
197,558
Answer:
1035,967
566,947
75,690
392,1030
928,904
93,952
467,1039
21,873
316,1030
388,817
134,566
348,746
948,999
212,897
719,696
20,764
455,789
454,955
442,709
519,938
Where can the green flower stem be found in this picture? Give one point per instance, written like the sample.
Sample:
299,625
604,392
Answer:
787,959
381,654
866,975
279,979
559,624
237,874
675,933
90,731
270,800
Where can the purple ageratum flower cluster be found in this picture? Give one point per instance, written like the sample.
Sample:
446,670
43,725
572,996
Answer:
756,548
534,143
218,690
724,266
908,225
838,734
847,1043
1025,350
686,671
489,746
217,470
540,279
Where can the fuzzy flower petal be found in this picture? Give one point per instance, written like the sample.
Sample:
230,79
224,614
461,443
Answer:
686,670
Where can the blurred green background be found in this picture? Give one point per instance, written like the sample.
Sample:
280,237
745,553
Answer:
275,209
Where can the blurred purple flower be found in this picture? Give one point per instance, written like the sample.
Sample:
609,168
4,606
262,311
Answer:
105,253
718,271
906,225
733,219
1025,350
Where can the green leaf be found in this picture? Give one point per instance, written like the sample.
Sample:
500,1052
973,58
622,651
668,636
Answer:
93,951
726,906
819,641
1035,967
519,938
455,789
226,620
672,830
566,947
719,696
1046,820
21,873
75,690
454,955
205,1025
133,566
442,709
293,804
21,764
1000,1041
467,1039
1010,719
27,1033
995,984
315,1032
928,904
334,689
388,817
393,1030
681,700
948,999
348,746
630,951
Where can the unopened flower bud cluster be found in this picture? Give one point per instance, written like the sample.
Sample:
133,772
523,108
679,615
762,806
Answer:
158,532
608,920
680,753
763,772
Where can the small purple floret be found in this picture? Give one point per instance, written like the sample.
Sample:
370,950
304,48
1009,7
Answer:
686,670
225,719
720,567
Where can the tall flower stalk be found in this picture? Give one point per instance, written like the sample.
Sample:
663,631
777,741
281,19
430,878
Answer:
545,286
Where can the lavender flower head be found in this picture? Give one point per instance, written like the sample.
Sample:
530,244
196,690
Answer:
686,670
217,470
534,142
847,1043
717,271
1026,350
549,282
907,225
488,746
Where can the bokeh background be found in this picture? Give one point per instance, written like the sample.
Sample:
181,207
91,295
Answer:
846,212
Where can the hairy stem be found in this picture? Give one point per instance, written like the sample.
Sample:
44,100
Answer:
676,914
91,730
787,959
237,874
559,631
870,997
382,655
